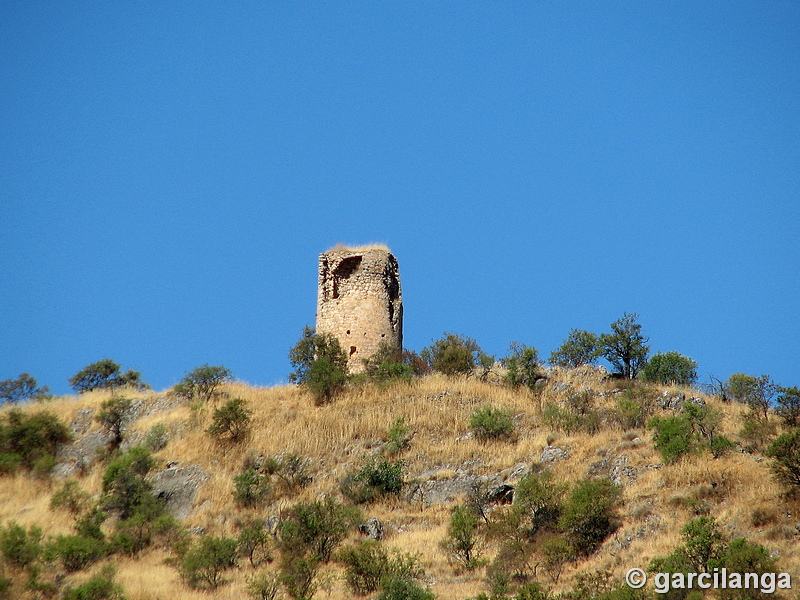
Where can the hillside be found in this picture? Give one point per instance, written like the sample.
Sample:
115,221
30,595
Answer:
441,461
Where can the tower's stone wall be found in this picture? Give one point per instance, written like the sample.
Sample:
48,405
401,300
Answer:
359,301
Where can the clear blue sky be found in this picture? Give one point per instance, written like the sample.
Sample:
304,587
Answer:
170,171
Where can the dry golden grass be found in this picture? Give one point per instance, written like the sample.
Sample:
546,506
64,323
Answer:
339,437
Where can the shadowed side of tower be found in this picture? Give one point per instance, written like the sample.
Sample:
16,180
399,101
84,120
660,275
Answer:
359,300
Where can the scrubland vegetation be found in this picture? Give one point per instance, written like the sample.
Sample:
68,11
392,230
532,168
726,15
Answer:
445,474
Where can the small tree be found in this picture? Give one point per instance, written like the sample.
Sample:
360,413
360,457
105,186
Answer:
789,406
113,416
254,541
231,420
320,363
452,354
580,348
327,377
523,366
785,450
251,488
316,528
366,564
589,515
203,383
670,368
106,374
124,484
206,561
462,542
20,389
625,347
71,497
757,392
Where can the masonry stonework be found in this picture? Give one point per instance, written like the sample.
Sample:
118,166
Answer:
359,301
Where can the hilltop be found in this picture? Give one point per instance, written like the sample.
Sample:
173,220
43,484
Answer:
443,459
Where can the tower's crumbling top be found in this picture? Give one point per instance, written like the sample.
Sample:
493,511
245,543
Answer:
359,300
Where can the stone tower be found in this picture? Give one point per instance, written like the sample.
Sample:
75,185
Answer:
359,300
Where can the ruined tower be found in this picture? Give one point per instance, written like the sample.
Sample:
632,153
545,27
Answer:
359,300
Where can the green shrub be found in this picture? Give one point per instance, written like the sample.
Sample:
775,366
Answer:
489,423
401,588
157,437
20,389
320,364
452,354
388,364
298,574
105,374
560,419
6,584
398,438
368,567
538,500
670,368
231,420
203,383
124,484
757,432
147,525
673,436
20,546
9,463
316,528
251,488
556,552
89,525
77,552
365,565
254,541
263,586
99,587
113,415
373,481
43,466
30,440
757,392
742,556
462,543
720,445
523,366
785,452
71,497
589,515
290,469
580,348
204,562
634,408
789,406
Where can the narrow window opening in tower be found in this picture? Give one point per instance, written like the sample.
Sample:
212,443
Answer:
352,350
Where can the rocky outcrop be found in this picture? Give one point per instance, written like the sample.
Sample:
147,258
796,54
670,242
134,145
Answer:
178,487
